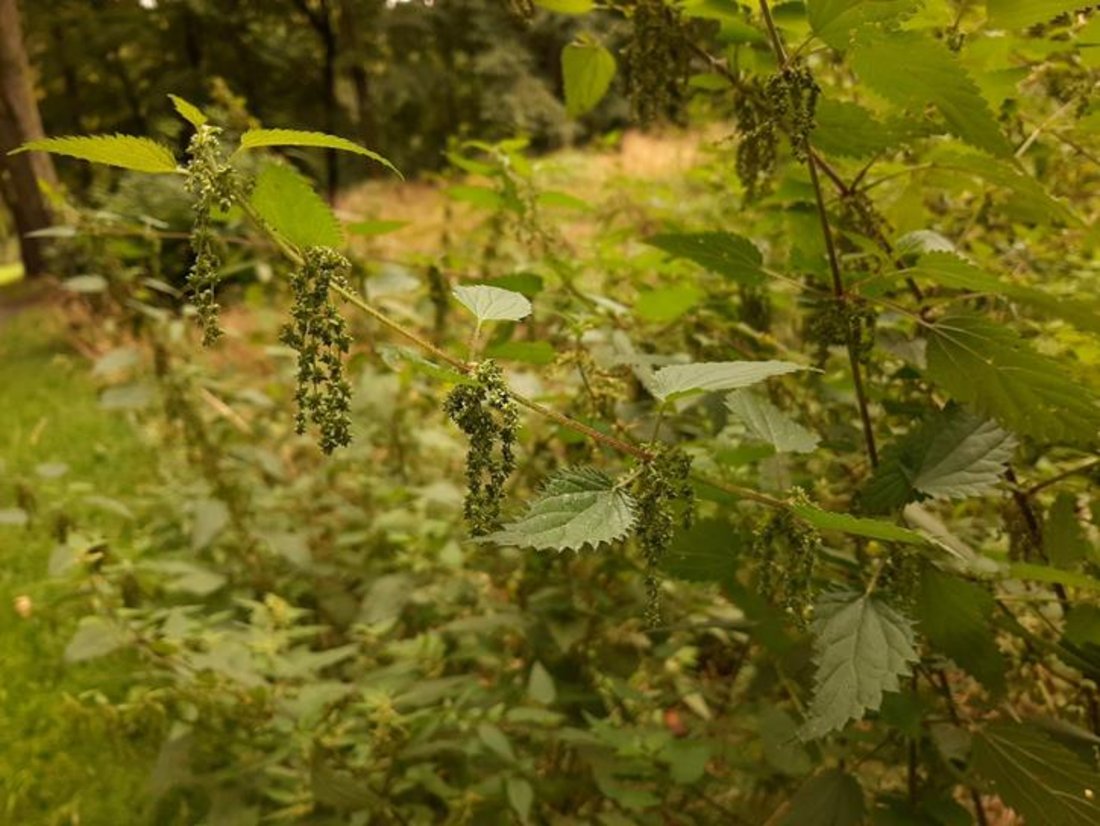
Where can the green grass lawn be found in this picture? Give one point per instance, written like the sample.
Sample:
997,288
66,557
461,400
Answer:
59,452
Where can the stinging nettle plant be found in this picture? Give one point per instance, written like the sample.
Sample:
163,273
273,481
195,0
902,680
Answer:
890,595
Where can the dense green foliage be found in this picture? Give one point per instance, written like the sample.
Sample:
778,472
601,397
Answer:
761,494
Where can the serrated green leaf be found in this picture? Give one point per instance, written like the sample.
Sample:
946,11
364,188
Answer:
862,647
188,111
845,128
587,71
836,21
990,367
1019,14
256,138
288,203
948,270
1042,781
767,422
913,70
578,507
856,525
954,454
831,798
679,380
493,303
724,253
125,151
1064,539
966,456
956,618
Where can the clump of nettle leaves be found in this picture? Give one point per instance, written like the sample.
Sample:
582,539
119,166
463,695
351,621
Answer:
861,613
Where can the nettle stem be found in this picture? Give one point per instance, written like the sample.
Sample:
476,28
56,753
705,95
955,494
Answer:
839,294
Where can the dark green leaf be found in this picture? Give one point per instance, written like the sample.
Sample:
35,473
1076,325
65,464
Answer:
831,798
724,253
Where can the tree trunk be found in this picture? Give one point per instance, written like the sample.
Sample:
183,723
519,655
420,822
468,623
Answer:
19,123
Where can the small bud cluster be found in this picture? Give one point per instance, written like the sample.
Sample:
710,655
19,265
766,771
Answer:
320,335
792,97
835,322
787,551
658,61
756,151
665,498
213,184
485,412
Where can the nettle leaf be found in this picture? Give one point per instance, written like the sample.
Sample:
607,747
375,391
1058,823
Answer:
712,376
856,525
990,367
667,304
956,617
286,200
587,72
836,21
256,138
966,456
705,552
767,422
831,798
844,128
1019,14
1041,780
492,303
578,507
862,647
951,271
1063,536
953,455
94,637
724,253
188,111
125,151
913,70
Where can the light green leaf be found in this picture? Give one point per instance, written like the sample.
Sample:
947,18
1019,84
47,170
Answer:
540,685
1044,573
493,303
126,151
1063,537
990,367
856,525
667,304
956,618
862,647
913,70
724,253
256,138
767,422
94,637
836,21
1044,782
844,128
567,6
578,507
713,376
949,270
289,204
520,797
1019,14
496,741
531,352
831,798
587,70
188,111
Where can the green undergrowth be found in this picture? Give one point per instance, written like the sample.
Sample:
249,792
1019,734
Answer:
65,466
